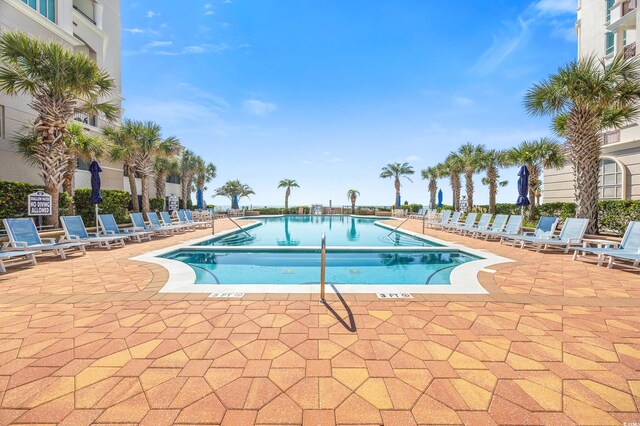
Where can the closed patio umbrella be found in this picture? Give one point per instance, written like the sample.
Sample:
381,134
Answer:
96,197
523,188
440,198
234,205
200,199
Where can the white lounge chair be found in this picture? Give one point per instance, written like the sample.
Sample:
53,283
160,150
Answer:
629,246
513,227
17,257
75,231
166,221
23,236
544,229
482,224
445,215
139,225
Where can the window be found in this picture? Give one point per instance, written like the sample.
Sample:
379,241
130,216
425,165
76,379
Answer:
173,179
610,180
83,165
610,4
609,44
47,8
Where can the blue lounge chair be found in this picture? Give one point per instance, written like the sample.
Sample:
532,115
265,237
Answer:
138,225
184,220
108,223
545,229
446,214
17,257
498,224
166,221
23,235
483,223
203,223
75,231
469,222
629,246
572,233
154,220
455,219
513,227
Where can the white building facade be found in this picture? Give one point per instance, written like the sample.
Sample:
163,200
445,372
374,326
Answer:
91,27
606,28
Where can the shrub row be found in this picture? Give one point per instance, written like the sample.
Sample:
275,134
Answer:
115,202
13,199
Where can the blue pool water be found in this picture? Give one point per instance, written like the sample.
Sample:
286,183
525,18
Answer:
341,231
303,266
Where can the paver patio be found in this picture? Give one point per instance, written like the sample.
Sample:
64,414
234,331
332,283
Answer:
91,340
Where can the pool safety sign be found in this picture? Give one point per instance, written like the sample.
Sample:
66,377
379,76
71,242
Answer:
173,203
394,296
39,204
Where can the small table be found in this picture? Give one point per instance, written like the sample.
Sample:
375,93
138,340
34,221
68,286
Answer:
590,242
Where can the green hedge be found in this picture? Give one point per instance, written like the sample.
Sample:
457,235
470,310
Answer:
156,204
563,210
411,208
115,203
13,199
278,210
616,215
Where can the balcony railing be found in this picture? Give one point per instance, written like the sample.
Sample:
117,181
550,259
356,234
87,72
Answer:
629,6
630,51
611,137
86,119
84,14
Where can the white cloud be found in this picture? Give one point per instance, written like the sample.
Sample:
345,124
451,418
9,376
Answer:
152,14
258,107
134,30
503,46
306,162
336,160
412,159
555,7
462,101
158,43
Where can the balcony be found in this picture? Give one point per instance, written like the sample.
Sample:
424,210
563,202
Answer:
90,120
611,137
630,51
90,10
629,6
77,9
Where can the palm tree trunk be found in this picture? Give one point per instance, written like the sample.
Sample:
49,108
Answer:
68,185
353,206
286,199
534,177
585,143
493,189
186,189
161,188
133,189
455,188
433,189
145,193
53,164
397,185
469,188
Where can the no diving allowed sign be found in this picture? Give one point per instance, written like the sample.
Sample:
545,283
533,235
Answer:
39,204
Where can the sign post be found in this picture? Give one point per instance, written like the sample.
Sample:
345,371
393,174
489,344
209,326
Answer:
39,204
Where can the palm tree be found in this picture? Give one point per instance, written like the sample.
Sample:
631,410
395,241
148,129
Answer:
451,168
432,174
353,195
188,167
586,97
149,145
537,190
537,155
288,183
492,161
122,140
396,171
80,146
163,168
59,82
471,160
234,190
205,173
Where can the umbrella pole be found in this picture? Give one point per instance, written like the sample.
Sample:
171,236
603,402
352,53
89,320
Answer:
97,222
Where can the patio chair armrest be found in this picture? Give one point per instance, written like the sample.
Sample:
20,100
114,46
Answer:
15,245
94,234
48,240
71,238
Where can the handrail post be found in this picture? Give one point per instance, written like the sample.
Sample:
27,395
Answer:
323,265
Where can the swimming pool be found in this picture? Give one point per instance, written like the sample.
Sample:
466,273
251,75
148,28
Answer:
359,267
305,231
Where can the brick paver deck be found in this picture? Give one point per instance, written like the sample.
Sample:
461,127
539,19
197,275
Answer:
90,340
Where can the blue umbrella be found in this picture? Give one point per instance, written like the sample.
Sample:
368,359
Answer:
523,187
96,197
440,198
399,201
200,199
235,202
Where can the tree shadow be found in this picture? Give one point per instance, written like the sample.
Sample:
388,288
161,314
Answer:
352,323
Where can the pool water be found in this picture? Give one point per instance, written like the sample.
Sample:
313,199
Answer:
427,267
340,231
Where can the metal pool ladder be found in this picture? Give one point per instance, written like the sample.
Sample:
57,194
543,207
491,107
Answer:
323,265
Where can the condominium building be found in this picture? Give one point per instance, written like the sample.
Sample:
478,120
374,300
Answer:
91,27
606,28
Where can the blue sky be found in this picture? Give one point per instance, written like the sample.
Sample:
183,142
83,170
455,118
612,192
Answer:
328,92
